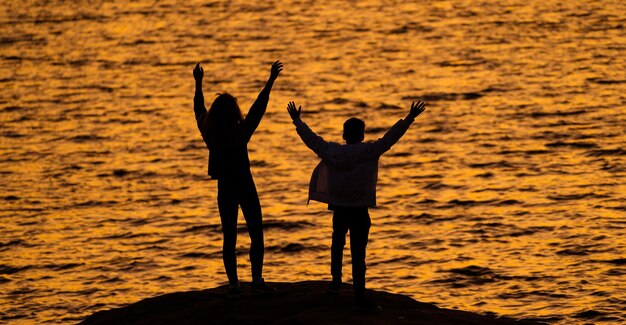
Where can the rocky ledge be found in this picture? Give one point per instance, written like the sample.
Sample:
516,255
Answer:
294,303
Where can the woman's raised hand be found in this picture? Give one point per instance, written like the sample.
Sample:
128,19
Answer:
277,67
198,72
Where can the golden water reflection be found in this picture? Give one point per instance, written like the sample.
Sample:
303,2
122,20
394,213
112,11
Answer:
506,196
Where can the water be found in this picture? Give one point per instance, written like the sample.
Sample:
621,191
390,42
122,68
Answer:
505,196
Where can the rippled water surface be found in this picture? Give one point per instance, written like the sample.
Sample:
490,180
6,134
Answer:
507,195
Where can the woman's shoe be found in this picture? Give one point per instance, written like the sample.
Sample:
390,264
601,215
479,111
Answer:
366,306
260,286
234,292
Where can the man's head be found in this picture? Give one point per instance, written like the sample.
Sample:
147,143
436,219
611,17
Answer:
353,130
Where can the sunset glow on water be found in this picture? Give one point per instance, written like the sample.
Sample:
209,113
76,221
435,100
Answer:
506,196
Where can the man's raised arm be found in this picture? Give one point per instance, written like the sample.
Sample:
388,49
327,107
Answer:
310,139
396,132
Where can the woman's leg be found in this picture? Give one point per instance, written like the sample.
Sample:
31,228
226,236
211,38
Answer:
251,208
227,204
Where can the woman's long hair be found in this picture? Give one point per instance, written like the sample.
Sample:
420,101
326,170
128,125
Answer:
224,119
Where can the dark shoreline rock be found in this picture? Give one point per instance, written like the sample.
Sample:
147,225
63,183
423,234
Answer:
294,303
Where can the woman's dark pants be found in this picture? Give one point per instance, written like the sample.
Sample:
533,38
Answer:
233,192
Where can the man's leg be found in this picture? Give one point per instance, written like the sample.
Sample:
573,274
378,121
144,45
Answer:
228,207
359,232
340,229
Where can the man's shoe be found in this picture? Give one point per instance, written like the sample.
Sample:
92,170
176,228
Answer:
333,287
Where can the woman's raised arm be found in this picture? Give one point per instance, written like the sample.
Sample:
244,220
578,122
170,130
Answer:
253,118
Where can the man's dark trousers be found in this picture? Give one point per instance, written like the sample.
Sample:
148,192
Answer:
357,221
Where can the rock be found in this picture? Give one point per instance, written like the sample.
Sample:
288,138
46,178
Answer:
294,303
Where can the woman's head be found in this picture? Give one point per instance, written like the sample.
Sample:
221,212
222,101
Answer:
225,111
224,119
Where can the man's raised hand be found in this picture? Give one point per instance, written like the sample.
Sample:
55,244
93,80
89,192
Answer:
293,112
417,108
277,67
198,72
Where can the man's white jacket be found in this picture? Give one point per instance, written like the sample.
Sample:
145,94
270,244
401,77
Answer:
348,173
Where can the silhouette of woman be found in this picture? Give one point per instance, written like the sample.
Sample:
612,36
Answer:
226,134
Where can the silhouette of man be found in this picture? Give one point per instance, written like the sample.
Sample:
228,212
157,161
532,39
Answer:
345,179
